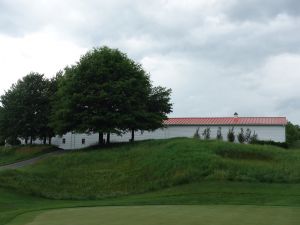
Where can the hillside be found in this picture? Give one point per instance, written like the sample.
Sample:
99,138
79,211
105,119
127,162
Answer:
10,155
152,165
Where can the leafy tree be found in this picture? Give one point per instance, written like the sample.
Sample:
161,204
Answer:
206,133
231,135
106,92
25,108
292,133
241,136
219,133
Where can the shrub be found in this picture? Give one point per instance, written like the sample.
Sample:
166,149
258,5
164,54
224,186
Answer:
241,136
13,141
248,135
254,137
197,135
219,134
230,135
206,133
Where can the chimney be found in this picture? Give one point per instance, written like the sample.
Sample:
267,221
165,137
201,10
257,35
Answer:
236,115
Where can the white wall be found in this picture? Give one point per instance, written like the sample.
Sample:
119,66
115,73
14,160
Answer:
74,141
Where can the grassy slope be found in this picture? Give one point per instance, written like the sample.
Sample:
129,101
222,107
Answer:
152,165
168,215
14,154
205,193
178,171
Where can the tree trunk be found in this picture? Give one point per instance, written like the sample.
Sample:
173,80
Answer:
26,140
31,140
132,135
100,140
49,140
45,140
108,138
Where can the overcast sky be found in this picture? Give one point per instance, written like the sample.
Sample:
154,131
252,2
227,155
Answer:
218,56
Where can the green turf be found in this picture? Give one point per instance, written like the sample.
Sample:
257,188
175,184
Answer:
207,193
167,215
165,172
10,155
152,165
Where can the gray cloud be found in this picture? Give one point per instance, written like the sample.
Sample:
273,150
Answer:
218,56
262,9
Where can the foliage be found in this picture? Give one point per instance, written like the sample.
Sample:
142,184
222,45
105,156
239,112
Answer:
231,135
25,108
13,141
141,167
254,138
292,133
107,92
206,133
219,133
197,135
241,136
248,135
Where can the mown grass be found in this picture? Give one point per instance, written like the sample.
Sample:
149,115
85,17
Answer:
13,204
14,154
152,165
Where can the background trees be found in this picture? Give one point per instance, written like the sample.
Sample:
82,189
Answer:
25,109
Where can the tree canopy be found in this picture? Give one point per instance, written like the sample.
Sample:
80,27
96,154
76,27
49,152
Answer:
26,107
107,92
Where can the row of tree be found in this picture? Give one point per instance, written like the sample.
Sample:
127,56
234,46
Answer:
242,137
105,92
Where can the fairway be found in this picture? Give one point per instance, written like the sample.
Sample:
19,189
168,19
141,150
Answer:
165,215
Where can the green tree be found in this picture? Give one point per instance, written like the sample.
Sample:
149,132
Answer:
25,107
106,92
292,133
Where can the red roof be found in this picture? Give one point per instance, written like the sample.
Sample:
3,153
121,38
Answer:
228,121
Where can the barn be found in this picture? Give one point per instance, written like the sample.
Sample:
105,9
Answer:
266,128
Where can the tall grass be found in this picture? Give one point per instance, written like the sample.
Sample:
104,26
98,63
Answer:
13,154
152,165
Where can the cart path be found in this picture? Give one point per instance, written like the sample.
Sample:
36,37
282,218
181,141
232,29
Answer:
30,161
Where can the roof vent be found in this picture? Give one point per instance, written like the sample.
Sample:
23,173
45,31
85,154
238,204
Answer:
236,115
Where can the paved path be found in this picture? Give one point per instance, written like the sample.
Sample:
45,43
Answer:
30,161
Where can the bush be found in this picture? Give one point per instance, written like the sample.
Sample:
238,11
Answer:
206,133
230,135
254,137
13,141
197,135
219,134
248,135
241,136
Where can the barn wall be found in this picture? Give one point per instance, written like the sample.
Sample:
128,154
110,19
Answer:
74,141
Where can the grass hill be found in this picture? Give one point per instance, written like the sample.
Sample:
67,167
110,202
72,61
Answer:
10,155
150,166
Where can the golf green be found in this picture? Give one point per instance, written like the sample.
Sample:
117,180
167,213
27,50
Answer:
164,215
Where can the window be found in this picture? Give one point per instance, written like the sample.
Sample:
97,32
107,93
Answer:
83,141
64,141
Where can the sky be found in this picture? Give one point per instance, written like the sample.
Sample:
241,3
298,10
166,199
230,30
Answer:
217,56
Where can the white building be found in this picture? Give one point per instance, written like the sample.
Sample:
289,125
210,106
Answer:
266,128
